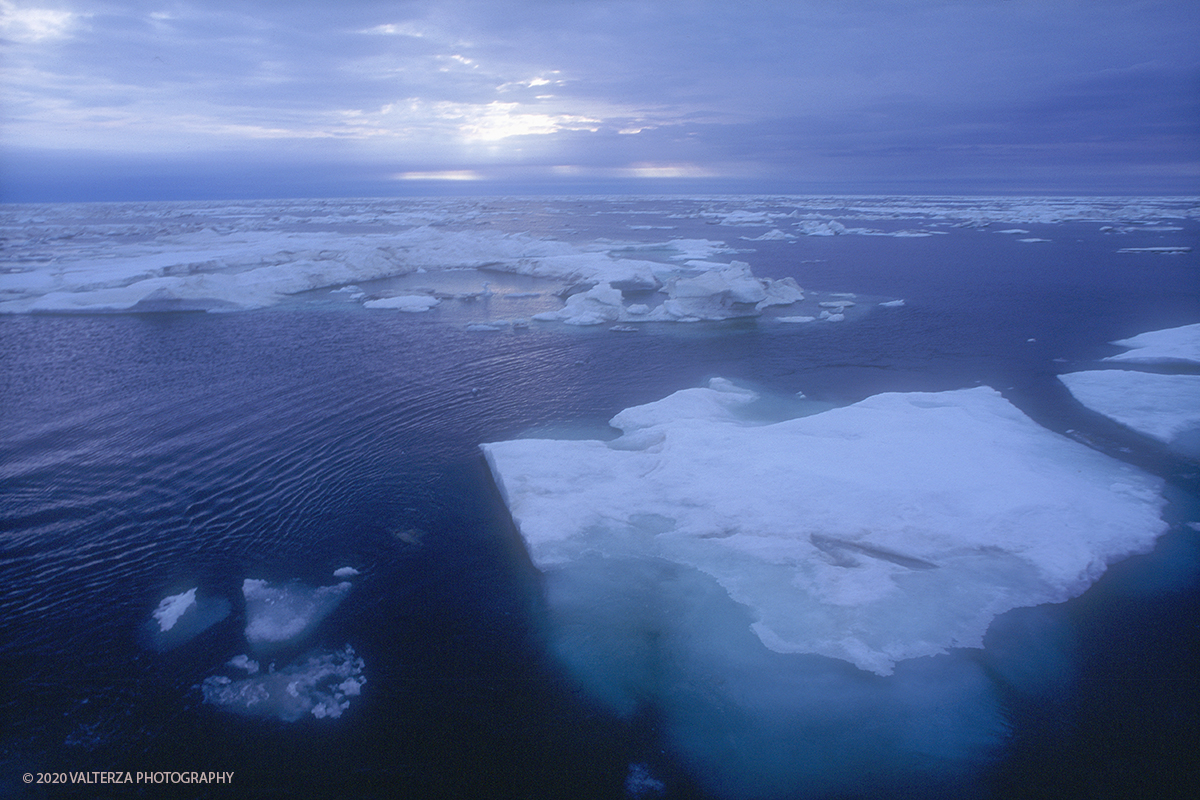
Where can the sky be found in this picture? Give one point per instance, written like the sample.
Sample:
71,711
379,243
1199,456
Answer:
219,99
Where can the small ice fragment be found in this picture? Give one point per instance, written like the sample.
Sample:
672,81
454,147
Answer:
244,662
410,303
180,618
345,572
641,783
172,608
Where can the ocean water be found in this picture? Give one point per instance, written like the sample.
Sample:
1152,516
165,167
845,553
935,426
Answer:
146,450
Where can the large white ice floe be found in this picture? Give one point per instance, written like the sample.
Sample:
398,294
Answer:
288,612
894,528
319,685
1172,345
247,267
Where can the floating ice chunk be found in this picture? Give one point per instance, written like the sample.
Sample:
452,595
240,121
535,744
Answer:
814,227
1164,407
892,304
172,608
723,293
244,662
640,782
320,685
719,401
795,319
181,617
276,614
773,235
1167,346
1014,231
894,528
1162,251
602,303
411,303
345,572
830,316
1033,240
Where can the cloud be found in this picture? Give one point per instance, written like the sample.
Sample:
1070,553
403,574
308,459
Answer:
27,24
901,90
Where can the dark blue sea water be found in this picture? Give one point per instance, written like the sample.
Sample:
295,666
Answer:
144,454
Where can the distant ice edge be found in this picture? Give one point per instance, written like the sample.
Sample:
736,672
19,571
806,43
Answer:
894,528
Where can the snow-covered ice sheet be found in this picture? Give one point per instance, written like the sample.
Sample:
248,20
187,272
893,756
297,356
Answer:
1164,407
890,529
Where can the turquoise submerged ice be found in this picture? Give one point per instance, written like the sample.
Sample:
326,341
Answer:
891,529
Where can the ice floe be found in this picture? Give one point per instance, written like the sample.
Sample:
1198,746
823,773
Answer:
319,685
891,529
181,617
172,608
1164,251
1164,407
410,303
715,292
1172,345
171,257
289,612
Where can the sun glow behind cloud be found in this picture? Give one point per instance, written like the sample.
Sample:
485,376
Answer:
34,24
440,175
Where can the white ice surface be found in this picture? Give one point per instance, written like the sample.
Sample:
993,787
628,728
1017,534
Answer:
287,613
1163,407
1172,345
894,528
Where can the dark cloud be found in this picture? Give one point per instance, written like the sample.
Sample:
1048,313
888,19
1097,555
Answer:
979,96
